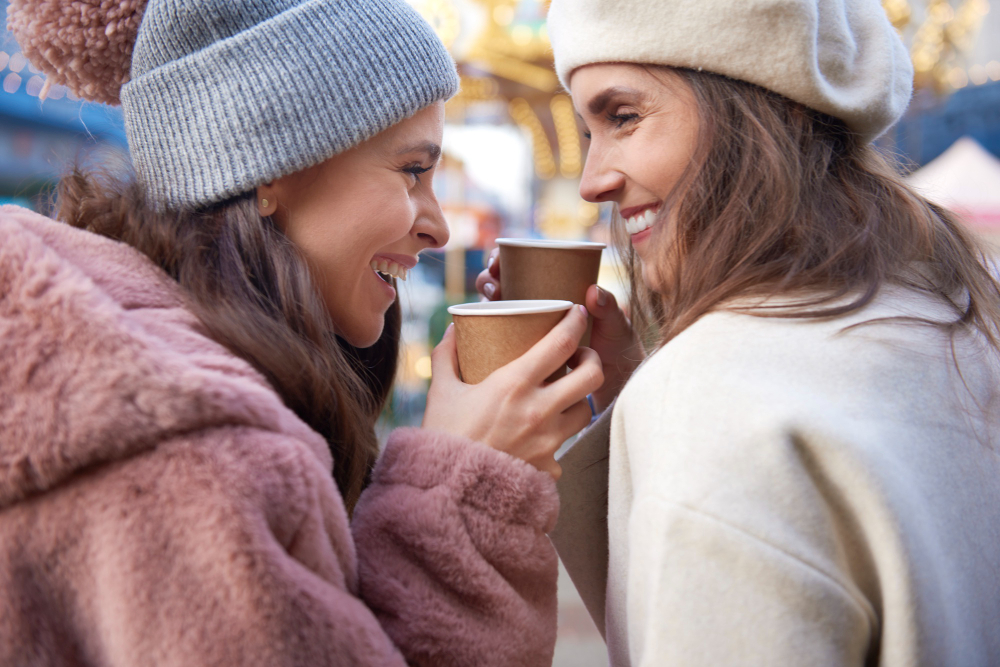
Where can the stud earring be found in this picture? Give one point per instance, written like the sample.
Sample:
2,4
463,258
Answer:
263,203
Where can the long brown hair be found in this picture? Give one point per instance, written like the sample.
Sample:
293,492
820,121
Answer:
782,199
252,291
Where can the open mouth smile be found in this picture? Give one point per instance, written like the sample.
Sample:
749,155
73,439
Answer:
641,220
386,269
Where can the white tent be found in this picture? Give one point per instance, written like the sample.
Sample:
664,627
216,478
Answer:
966,180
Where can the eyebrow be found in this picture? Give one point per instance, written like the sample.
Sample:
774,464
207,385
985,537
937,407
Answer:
600,101
432,150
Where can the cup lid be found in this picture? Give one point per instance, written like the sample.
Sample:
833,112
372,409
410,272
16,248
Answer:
551,243
524,307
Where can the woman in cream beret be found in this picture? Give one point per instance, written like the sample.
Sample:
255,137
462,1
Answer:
804,470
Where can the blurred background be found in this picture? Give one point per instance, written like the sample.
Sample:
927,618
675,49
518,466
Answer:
513,155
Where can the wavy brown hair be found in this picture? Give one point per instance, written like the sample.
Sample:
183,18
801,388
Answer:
252,291
781,199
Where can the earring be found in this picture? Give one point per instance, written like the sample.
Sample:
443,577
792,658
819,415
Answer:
263,203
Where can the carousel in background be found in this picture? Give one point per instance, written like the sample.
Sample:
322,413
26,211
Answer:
505,60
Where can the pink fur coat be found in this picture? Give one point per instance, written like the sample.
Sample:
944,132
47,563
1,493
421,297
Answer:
159,505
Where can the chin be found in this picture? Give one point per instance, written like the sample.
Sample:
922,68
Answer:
363,341
363,337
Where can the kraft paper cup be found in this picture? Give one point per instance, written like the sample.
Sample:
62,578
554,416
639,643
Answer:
493,334
546,269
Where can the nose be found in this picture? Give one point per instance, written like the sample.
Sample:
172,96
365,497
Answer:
600,181
430,227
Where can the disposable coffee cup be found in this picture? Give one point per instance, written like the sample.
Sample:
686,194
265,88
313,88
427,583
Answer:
548,269
490,335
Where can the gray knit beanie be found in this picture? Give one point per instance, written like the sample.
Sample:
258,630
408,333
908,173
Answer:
220,96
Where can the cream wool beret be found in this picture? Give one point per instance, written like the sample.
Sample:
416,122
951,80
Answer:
840,57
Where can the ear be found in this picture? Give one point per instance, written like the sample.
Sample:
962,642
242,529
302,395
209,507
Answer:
267,199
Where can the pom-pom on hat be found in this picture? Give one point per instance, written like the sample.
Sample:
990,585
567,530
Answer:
840,57
85,45
220,96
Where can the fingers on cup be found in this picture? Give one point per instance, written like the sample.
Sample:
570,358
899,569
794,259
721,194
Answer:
493,264
488,286
553,351
586,377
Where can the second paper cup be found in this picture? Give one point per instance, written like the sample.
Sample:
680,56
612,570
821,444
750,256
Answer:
548,269
493,334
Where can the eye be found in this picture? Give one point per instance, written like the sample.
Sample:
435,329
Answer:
621,119
416,169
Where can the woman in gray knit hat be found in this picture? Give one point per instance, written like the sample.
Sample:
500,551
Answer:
184,363
805,470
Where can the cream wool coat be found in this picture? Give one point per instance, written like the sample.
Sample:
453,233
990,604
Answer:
783,492
159,505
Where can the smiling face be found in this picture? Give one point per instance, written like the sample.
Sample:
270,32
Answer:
643,130
367,210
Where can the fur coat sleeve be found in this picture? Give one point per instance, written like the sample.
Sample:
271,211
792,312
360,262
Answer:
159,505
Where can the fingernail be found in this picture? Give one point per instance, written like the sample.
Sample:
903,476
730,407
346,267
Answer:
489,289
583,309
602,297
489,262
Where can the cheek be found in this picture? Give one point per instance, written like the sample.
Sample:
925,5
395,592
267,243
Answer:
665,171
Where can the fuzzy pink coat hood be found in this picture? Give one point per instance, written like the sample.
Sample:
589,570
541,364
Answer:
160,505
99,360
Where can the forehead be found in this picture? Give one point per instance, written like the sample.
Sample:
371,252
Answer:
594,86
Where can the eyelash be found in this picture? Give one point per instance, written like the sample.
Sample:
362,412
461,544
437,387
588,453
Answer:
415,170
619,119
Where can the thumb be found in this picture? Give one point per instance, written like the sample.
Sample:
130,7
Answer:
609,319
444,357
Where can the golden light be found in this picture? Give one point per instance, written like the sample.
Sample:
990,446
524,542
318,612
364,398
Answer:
443,16
568,136
898,11
522,35
503,14
942,12
422,367
589,213
958,78
522,113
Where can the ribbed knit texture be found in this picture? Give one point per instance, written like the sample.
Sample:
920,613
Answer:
225,96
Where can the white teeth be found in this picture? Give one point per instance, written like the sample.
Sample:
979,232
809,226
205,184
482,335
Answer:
389,268
638,223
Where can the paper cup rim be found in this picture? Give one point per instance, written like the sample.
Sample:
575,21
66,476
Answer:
551,243
523,307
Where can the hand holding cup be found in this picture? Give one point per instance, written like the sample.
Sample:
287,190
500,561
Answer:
515,409
612,335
